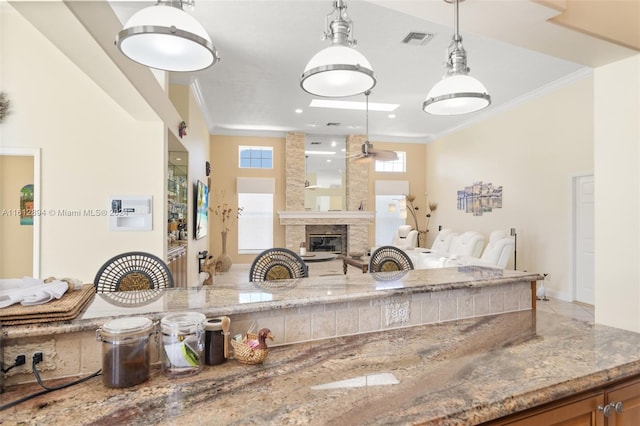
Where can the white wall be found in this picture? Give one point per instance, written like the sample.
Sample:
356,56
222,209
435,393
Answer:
91,149
533,151
617,189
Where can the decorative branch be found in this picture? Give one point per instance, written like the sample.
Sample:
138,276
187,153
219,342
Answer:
4,105
226,213
413,210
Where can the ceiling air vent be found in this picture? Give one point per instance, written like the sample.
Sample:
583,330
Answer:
332,124
417,38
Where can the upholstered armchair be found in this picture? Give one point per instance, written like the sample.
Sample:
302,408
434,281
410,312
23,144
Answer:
466,245
443,240
496,254
469,243
405,238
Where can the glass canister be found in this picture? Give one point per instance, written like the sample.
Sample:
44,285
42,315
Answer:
182,343
125,351
214,342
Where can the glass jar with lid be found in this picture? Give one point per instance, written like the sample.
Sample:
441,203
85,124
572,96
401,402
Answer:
125,351
182,343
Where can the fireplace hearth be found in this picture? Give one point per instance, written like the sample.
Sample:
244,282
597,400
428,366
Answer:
327,238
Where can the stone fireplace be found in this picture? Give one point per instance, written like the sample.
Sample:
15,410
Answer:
354,223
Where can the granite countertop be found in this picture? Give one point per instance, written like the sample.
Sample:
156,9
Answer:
456,373
237,298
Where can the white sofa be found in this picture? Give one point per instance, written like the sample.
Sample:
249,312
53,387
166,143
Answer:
497,253
405,238
443,240
464,246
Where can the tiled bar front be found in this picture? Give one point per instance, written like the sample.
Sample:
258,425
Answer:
306,310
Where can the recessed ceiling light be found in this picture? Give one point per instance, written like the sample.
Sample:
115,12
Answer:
333,143
328,160
391,116
298,111
359,106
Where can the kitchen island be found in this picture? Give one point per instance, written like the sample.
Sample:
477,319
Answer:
462,372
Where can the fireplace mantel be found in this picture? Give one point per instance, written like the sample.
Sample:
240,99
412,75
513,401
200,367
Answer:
358,217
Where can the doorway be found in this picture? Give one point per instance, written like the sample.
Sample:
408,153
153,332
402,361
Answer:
583,239
20,249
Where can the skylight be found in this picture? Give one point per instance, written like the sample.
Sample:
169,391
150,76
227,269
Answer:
373,106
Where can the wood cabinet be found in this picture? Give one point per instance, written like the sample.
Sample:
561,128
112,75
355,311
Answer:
616,405
628,393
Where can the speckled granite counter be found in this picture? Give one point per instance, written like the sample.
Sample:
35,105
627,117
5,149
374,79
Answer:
246,297
295,310
456,373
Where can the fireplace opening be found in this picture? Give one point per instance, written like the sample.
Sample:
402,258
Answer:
326,243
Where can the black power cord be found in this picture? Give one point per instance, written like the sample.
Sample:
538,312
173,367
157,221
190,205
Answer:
37,357
20,360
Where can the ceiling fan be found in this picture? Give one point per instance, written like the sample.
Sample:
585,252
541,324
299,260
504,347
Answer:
368,152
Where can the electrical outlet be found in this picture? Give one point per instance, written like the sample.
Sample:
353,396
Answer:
38,357
20,360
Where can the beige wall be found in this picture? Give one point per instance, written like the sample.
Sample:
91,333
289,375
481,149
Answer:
617,189
91,148
225,170
16,244
416,160
533,151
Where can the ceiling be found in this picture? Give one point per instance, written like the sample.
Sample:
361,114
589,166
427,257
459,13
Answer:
512,47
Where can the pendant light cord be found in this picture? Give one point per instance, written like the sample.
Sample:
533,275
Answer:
456,25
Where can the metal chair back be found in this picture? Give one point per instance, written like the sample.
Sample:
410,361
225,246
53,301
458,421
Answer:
277,264
389,258
134,270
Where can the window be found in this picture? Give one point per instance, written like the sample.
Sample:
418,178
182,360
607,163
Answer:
396,166
255,224
391,208
256,157
391,213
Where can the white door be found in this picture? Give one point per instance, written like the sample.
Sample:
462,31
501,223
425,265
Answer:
584,239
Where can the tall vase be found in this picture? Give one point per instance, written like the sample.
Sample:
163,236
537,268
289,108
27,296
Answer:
223,263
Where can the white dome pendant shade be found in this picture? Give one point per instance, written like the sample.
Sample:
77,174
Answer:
457,93
338,70
167,38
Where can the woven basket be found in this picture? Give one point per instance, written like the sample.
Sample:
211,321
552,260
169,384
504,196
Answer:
244,354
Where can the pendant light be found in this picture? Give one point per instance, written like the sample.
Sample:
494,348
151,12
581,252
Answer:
458,92
167,38
338,70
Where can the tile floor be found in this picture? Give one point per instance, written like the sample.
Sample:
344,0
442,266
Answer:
574,310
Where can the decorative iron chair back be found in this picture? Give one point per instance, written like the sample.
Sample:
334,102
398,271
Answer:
389,258
277,264
134,270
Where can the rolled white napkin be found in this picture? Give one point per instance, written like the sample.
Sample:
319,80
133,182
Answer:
33,294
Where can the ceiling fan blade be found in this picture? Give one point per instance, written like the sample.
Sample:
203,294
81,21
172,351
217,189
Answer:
384,155
363,159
